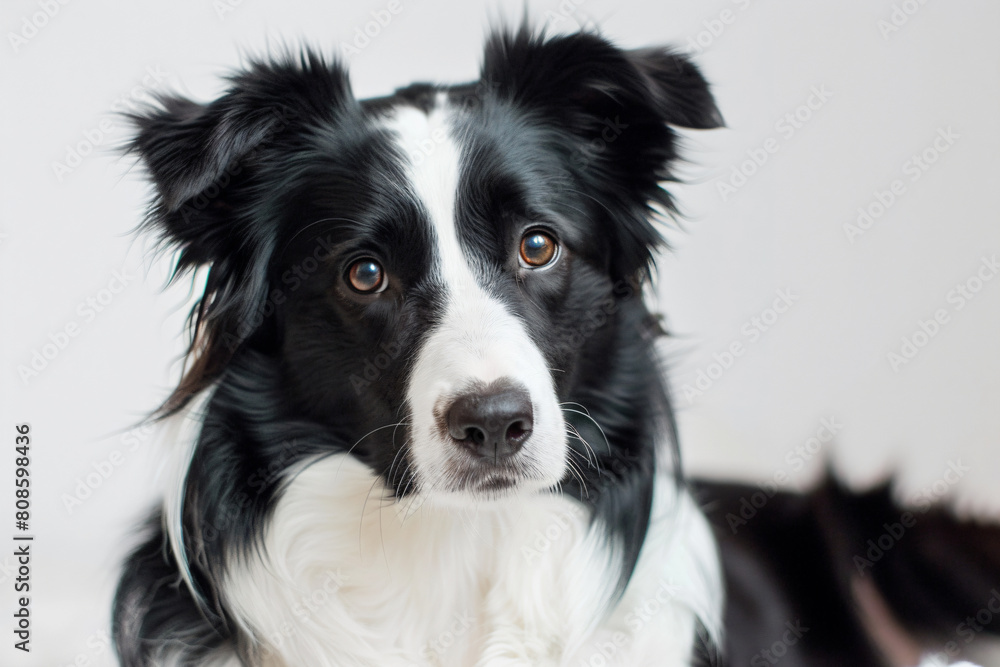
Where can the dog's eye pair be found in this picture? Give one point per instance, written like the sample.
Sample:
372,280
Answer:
366,276
538,249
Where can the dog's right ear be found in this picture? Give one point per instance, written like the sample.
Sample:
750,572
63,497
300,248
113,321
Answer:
199,156
205,162
188,147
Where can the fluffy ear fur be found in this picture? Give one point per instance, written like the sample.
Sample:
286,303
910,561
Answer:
617,104
203,159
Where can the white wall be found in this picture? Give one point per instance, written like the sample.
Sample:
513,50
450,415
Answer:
63,237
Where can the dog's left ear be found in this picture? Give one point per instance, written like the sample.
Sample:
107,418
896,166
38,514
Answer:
205,161
617,106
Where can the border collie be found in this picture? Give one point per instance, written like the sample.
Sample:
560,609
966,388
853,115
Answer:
422,420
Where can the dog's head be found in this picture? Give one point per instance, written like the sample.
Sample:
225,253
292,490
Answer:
434,271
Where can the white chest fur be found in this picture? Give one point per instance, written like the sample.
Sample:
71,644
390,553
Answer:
351,577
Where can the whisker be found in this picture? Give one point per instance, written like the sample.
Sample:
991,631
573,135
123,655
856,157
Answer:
607,443
408,510
381,538
583,484
361,439
596,463
409,479
395,458
582,457
361,527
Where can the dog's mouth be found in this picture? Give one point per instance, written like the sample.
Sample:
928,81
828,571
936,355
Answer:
487,477
496,483
468,475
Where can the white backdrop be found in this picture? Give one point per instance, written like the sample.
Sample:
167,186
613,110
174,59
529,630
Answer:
887,106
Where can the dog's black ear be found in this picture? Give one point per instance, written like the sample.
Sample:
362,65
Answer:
679,91
205,162
200,156
617,106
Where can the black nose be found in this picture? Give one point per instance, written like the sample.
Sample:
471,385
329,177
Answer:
493,422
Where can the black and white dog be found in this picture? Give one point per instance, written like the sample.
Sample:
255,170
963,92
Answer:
423,422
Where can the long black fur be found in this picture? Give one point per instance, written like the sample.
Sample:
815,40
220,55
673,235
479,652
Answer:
286,168
797,558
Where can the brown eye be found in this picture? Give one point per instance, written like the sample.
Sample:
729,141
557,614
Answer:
538,249
366,276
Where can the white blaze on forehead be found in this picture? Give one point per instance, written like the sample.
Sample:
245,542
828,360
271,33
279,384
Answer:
434,175
478,339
